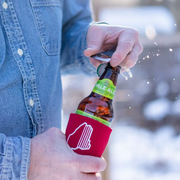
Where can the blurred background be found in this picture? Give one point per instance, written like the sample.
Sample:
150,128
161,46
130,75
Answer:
145,143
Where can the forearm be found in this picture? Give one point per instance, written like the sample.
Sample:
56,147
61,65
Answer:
75,27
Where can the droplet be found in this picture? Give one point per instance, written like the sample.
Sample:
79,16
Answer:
129,73
147,82
155,43
174,79
128,94
176,97
129,107
175,24
170,49
147,56
126,78
157,54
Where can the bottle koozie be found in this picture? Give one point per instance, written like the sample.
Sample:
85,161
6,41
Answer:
87,136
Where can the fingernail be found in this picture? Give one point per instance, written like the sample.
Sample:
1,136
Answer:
114,62
89,48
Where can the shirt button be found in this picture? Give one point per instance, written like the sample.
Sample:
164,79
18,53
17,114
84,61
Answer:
20,52
5,5
31,102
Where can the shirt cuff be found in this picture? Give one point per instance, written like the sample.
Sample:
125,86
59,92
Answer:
16,158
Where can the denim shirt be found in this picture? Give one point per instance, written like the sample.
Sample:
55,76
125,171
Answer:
39,40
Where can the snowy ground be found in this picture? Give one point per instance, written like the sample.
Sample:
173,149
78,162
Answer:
138,154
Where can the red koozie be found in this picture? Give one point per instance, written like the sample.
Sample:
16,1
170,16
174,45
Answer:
87,136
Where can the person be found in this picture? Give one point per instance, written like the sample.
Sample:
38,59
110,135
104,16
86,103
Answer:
39,41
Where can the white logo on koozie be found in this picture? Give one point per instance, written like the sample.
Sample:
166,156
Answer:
84,142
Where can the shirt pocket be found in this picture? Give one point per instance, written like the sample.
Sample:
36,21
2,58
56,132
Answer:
48,17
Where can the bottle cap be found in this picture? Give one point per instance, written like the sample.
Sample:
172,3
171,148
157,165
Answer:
101,68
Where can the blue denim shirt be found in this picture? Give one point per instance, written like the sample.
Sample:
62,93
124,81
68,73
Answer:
39,40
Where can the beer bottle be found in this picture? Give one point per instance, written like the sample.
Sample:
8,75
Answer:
98,105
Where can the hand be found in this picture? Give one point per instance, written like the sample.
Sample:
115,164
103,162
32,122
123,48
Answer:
101,37
52,159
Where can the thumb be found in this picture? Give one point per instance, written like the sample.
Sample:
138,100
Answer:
94,41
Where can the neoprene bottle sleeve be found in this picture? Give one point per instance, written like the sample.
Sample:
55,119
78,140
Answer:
87,136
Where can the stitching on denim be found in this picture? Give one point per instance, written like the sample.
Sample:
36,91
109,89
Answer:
46,3
41,28
16,40
26,143
6,171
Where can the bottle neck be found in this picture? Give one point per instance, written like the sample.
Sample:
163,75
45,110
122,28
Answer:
106,84
111,73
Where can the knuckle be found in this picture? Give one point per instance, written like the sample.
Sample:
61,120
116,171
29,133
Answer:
134,32
127,45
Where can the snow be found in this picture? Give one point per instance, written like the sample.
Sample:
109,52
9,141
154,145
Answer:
162,89
157,109
138,154
176,106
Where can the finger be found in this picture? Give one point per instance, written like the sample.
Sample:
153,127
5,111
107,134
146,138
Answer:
91,164
95,62
132,58
126,42
95,39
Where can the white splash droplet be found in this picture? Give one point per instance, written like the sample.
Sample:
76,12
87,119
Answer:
155,43
126,78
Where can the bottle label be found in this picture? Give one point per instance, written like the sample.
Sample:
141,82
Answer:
93,117
105,87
